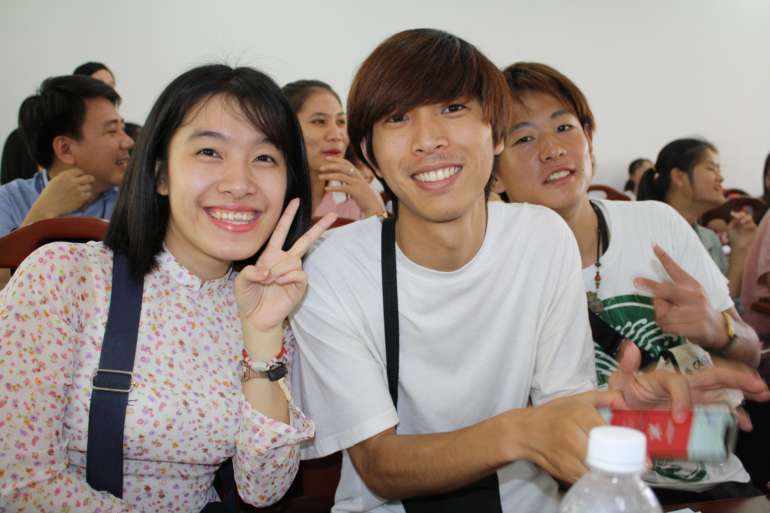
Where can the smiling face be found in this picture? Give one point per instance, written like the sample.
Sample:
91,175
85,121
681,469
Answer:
324,128
704,184
226,186
437,159
102,150
547,159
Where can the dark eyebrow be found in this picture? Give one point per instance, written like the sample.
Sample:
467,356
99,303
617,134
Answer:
199,134
526,124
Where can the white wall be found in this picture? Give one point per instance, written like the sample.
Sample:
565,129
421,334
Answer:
653,70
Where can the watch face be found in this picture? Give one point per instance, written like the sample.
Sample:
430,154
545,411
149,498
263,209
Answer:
277,371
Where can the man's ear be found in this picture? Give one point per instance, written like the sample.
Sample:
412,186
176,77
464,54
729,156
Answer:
161,179
62,149
497,185
499,147
368,158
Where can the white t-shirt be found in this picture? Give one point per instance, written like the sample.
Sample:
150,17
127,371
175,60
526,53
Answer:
634,227
508,326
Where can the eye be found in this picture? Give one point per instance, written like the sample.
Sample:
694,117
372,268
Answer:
396,118
266,158
454,107
523,139
208,152
342,122
565,127
319,122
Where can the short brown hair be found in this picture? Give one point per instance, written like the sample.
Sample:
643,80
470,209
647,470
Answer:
525,77
420,67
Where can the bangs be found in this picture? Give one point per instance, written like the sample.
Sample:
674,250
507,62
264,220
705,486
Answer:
422,67
411,80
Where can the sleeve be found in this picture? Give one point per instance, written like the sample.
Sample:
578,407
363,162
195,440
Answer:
9,211
340,379
267,450
565,357
38,310
688,251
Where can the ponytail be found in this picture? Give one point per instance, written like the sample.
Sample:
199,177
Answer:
682,154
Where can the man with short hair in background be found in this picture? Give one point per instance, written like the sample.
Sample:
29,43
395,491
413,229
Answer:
75,133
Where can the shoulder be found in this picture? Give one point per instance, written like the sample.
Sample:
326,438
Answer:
21,187
352,242
525,222
69,262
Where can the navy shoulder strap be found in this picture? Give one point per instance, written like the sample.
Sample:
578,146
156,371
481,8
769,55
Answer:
112,381
390,304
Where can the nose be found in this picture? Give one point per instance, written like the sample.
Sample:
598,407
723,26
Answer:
335,133
126,142
550,148
428,133
237,180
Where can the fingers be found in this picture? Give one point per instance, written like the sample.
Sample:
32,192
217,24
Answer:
282,228
733,376
629,357
744,421
307,240
676,387
340,177
294,277
677,274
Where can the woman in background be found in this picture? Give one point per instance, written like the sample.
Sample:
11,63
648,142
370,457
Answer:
688,177
336,184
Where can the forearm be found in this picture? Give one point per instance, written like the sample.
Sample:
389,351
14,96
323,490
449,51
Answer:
399,466
746,347
66,491
262,394
39,211
735,271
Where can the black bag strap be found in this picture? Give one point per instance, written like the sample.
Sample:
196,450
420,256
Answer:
390,304
111,384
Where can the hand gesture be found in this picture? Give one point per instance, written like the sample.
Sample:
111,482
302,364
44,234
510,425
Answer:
269,290
351,182
664,389
741,231
556,433
67,191
681,306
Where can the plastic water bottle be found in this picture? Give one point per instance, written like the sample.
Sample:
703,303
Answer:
616,458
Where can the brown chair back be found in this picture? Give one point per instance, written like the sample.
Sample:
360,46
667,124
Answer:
17,245
755,206
607,192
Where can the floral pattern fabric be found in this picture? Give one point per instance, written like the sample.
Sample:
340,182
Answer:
186,412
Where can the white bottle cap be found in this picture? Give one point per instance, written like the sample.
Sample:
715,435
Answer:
617,449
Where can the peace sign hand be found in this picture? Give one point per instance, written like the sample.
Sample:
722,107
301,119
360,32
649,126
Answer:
268,291
681,306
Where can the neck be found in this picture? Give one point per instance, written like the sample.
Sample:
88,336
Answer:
686,207
584,224
442,246
203,267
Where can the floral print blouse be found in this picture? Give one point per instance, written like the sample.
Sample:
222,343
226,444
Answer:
186,412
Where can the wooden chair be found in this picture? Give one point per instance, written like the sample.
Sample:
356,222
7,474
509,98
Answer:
755,206
606,192
313,488
17,245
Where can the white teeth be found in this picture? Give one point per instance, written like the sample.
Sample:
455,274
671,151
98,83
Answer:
233,217
557,175
438,174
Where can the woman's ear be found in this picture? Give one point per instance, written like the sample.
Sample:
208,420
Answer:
679,178
161,179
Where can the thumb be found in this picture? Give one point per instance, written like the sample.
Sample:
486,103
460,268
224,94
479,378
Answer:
629,357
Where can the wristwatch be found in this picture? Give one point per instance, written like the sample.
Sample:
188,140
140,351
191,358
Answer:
731,336
272,371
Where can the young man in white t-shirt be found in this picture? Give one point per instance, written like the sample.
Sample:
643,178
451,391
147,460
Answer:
657,300
491,311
